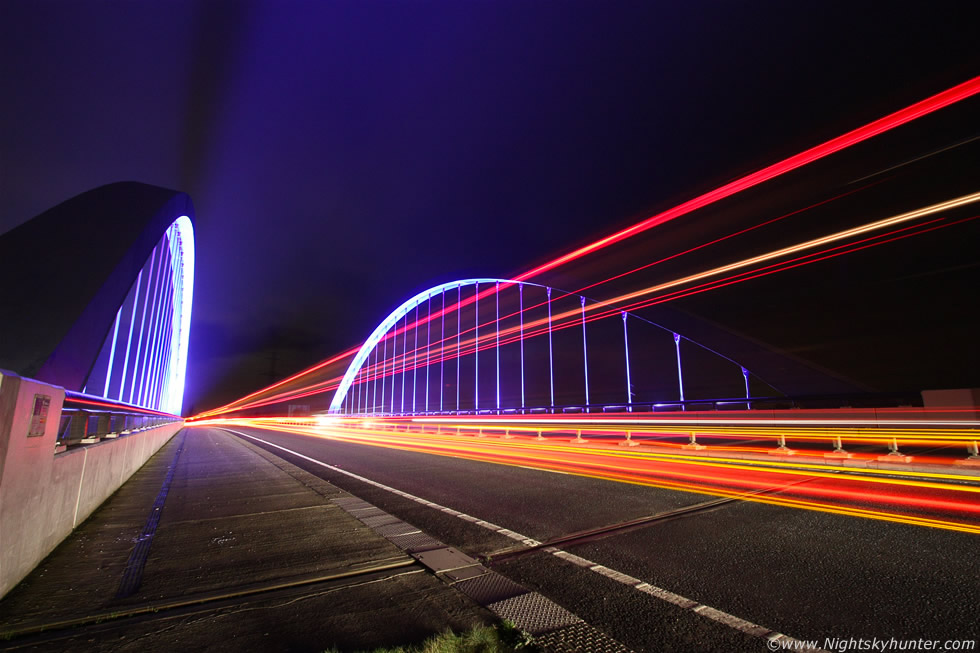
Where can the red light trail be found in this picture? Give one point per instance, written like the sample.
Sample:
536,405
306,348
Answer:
933,499
605,308
569,319
929,105
655,293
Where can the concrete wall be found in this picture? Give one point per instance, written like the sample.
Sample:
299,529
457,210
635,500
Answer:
43,495
964,402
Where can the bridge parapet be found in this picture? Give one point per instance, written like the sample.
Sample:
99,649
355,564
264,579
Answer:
46,489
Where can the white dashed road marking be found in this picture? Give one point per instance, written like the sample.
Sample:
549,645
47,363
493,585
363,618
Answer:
730,620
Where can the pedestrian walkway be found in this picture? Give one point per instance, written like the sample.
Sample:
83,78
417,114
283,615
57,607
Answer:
218,544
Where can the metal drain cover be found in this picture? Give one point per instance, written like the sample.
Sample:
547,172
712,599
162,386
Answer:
445,559
534,613
490,588
579,637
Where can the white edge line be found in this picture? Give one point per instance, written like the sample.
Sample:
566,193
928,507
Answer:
730,620
701,422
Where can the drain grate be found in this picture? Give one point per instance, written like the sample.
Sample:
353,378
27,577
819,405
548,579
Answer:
379,520
490,588
416,542
363,513
395,529
352,503
579,637
534,614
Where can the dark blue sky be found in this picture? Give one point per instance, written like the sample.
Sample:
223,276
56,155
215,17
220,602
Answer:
345,155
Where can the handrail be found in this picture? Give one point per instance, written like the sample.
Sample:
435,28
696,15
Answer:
87,419
865,400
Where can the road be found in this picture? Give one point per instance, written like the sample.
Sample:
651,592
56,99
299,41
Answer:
810,575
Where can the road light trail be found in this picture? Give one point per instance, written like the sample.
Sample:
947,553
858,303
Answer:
601,310
929,105
569,317
937,503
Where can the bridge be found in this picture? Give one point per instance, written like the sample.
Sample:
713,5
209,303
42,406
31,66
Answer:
556,448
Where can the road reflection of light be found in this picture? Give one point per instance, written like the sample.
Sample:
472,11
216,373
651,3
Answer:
939,499
948,97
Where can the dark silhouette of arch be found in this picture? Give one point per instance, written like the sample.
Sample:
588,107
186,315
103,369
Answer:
67,271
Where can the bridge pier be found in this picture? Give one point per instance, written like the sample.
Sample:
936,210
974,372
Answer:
782,449
693,444
894,455
629,441
974,458
838,451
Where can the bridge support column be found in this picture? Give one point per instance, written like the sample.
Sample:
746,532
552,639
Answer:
428,341
520,313
629,441
415,361
578,438
384,366
974,458
551,358
497,346
374,385
102,422
476,351
680,372
78,430
782,449
838,451
540,437
692,444
585,358
629,385
748,393
894,455
405,360
442,358
459,311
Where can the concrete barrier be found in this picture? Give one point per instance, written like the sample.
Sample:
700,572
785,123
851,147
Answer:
43,495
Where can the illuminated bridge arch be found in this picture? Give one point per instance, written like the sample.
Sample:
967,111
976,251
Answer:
107,280
468,346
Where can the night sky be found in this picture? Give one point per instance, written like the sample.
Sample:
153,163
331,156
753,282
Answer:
343,156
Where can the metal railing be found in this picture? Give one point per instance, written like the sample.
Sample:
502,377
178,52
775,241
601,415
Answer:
86,420
813,402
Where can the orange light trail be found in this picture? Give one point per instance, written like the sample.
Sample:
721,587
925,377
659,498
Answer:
939,500
599,309
940,100
922,108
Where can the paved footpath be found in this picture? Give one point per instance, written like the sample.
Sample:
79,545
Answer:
217,544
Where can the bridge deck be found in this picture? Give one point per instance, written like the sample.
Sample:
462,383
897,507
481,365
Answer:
246,548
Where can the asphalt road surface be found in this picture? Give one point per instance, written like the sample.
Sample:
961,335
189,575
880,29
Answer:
809,575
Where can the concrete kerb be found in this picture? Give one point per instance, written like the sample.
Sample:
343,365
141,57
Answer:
452,566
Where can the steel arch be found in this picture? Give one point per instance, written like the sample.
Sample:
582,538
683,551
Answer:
336,404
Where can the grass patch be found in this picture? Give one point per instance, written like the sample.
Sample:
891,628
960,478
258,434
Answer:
502,638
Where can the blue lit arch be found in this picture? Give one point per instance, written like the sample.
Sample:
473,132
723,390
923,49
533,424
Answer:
391,321
362,354
71,274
